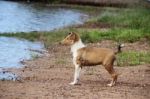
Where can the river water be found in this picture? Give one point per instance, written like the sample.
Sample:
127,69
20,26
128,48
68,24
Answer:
14,50
27,17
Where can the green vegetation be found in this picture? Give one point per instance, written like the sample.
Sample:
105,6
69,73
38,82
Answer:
46,37
135,18
133,58
117,34
128,25
132,18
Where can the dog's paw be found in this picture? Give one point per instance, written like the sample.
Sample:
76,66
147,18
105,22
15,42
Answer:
110,85
73,83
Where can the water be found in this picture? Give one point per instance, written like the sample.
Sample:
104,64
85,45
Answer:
25,17
13,50
6,75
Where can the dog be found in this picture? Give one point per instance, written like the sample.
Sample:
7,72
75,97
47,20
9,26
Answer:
90,56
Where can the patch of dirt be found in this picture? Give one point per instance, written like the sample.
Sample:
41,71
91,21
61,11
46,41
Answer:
49,77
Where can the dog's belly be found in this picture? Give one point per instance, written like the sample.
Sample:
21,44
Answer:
90,64
86,62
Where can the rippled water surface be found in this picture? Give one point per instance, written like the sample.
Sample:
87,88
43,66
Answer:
12,51
25,17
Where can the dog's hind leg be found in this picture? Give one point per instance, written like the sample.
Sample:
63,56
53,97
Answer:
113,74
109,67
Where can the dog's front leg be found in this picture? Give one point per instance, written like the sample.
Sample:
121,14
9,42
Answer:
76,74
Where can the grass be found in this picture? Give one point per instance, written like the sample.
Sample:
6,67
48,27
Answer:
132,18
46,37
128,25
87,35
116,34
133,58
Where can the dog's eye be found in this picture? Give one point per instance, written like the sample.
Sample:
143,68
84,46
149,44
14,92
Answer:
69,33
67,38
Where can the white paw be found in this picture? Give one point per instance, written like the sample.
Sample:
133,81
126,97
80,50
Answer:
110,85
73,83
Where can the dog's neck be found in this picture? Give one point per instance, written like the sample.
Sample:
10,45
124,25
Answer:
76,46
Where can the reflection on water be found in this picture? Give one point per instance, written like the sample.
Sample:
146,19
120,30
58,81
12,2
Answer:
24,17
12,51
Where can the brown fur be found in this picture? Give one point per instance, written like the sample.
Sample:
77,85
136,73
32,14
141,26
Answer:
89,56
70,39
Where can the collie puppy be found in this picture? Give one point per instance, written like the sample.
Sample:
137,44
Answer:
90,56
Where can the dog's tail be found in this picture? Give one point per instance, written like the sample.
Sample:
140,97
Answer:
119,48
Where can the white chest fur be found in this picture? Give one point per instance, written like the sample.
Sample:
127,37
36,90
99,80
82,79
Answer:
75,47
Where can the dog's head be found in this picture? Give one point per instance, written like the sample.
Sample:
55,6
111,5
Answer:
70,39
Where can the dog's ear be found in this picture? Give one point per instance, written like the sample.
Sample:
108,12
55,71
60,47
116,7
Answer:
69,33
76,37
72,33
